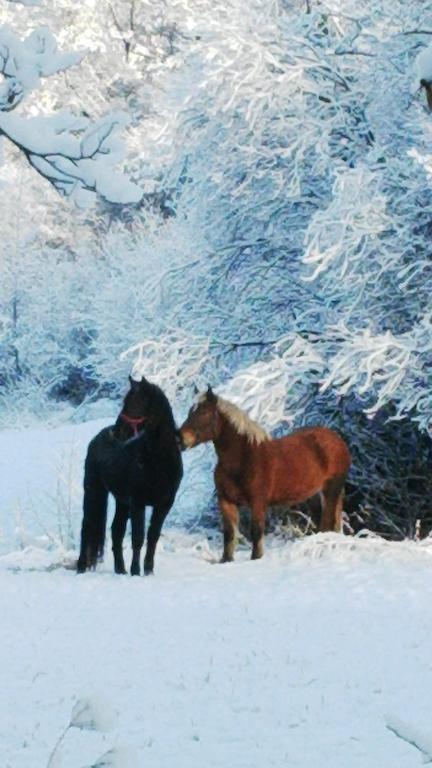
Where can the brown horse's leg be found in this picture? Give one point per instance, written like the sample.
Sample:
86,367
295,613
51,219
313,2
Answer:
332,500
339,511
257,530
230,515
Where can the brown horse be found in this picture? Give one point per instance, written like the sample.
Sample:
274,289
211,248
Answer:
255,470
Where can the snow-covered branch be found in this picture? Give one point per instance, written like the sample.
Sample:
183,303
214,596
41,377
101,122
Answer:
24,62
370,365
25,2
75,156
170,361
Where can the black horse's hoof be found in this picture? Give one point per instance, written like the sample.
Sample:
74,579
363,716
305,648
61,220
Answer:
81,567
135,570
120,570
148,568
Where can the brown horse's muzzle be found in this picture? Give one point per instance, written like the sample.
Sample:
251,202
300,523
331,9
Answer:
187,438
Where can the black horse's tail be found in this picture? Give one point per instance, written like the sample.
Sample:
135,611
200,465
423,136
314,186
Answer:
94,518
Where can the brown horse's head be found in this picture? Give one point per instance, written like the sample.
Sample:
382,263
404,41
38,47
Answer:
202,422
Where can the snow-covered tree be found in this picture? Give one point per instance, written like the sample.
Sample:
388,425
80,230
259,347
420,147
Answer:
281,247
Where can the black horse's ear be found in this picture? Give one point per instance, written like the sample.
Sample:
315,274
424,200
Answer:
211,397
134,383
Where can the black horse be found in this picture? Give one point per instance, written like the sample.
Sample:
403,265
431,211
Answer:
138,460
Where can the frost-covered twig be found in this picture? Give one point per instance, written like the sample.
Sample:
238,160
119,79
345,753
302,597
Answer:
88,715
411,735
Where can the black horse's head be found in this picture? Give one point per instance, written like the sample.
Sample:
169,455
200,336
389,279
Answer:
145,408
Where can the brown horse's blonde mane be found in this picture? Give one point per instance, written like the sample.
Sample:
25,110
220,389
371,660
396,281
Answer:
241,422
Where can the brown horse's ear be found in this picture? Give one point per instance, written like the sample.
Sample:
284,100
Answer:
211,397
195,389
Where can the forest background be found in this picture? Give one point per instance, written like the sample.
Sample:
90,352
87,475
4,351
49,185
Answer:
211,195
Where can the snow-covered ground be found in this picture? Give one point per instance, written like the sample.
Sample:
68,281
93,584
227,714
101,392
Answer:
316,656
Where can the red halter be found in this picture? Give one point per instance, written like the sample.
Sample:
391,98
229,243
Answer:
134,423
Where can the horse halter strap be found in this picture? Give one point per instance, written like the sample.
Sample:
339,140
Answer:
133,422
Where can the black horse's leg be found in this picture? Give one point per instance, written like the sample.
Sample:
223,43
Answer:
137,516
94,519
118,530
158,516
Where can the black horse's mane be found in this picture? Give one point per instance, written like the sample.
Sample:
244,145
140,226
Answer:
165,410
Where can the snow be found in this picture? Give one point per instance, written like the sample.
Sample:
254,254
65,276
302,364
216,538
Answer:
40,482
317,655
296,660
